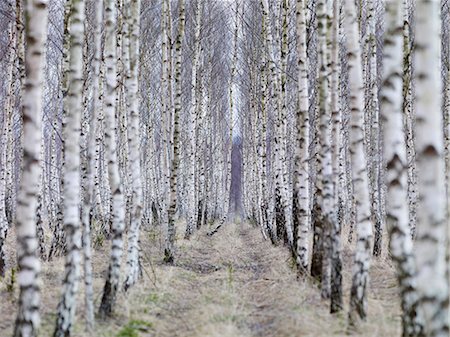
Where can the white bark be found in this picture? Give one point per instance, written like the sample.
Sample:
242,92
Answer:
118,211
4,159
339,189
282,126
324,180
167,106
374,156
430,245
170,235
301,174
27,321
192,126
409,119
133,269
71,173
358,300
266,196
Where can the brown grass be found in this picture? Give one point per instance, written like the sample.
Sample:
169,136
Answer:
231,284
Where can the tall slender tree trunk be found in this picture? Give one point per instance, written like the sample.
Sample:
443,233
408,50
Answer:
71,176
133,268
192,126
266,211
4,159
118,206
167,106
281,125
170,235
360,277
409,119
324,219
431,234
27,321
336,141
374,157
301,173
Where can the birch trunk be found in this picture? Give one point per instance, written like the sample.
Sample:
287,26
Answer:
133,269
167,106
409,119
118,211
71,176
170,235
8,104
301,176
324,219
27,321
266,210
203,120
430,245
360,277
336,141
374,130
282,127
192,126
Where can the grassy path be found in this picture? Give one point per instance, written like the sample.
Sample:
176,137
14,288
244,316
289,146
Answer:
231,284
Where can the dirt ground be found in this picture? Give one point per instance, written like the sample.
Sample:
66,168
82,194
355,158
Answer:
231,284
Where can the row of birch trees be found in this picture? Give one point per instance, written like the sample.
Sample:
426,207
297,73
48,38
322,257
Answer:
346,139
116,117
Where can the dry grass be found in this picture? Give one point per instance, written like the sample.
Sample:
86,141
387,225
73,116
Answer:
233,284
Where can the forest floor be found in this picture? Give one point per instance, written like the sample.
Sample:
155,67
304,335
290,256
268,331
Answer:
231,284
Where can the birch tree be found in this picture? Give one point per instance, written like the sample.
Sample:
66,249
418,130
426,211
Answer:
133,268
281,130
71,176
27,321
301,177
336,143
192,125
432,225
408,119
170,235
8,102
374,133
360,272
324,219
118,212
266,210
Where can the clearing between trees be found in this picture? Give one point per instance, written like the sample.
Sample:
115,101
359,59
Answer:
231,284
